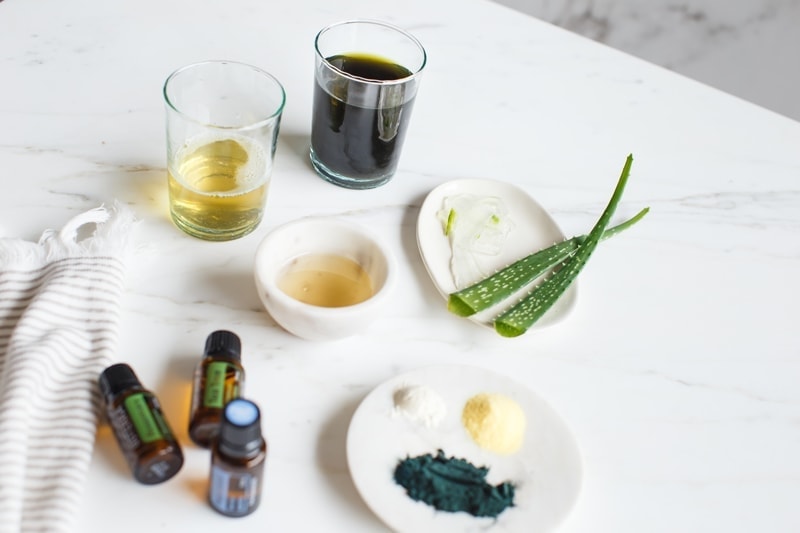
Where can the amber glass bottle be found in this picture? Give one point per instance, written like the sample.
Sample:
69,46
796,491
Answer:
237,460
139,426
218,379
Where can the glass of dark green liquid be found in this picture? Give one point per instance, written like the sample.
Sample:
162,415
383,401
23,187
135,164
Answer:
366,78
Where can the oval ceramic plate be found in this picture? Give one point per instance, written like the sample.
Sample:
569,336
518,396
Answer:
546,471
533,229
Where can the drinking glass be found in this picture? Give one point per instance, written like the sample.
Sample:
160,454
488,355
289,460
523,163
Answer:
222,127
366,78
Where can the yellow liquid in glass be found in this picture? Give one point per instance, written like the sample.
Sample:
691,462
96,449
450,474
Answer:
326,280
218,188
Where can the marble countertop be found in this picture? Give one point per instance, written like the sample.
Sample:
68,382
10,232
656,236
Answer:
677,371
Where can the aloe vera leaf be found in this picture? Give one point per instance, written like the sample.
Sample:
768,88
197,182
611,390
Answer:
517,319
505,282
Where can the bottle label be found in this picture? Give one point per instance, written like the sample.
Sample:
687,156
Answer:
148,423
123,428
233,494
218,389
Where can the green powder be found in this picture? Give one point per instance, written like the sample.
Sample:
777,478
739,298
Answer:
452,485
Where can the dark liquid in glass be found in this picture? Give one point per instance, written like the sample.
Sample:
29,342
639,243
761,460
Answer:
360,141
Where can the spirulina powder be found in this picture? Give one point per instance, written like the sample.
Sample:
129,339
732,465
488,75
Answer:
453,485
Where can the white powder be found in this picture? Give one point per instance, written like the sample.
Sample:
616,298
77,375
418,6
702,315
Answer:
420,404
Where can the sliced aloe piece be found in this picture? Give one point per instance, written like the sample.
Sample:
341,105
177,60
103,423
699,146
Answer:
507,281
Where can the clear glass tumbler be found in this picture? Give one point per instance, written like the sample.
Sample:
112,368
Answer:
366,78
222,128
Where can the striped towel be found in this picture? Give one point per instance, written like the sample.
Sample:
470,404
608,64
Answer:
59,311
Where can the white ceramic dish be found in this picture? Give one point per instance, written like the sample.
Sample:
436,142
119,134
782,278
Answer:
322,235
547,471
533,229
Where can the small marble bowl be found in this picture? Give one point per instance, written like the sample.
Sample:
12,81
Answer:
328,236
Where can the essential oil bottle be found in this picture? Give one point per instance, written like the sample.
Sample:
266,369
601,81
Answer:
237,460
218,379
139,426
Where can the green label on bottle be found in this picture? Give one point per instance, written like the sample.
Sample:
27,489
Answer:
214,395
145,421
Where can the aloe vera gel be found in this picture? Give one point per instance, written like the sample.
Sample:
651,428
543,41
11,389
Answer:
476,227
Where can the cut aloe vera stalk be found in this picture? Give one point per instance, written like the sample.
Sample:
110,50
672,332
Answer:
517,319
507,281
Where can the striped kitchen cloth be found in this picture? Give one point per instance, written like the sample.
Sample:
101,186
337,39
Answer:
59,315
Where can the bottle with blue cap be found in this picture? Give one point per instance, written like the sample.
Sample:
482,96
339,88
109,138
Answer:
237,460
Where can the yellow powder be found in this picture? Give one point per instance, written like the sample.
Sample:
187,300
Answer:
495,422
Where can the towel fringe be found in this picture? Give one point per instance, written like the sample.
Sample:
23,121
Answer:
110,237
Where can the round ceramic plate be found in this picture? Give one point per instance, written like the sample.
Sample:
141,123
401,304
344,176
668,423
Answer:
546,471
532,229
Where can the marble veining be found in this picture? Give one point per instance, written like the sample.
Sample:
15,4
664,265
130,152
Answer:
678,367
746,48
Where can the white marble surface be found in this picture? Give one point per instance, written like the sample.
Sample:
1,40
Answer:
677,371
748,49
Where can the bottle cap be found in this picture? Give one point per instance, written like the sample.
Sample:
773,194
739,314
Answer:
116,379
224,343
240,430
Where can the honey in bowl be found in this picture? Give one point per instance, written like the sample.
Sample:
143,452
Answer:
325,280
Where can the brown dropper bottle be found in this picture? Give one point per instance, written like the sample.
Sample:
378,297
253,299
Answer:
218,379
237,460
139,426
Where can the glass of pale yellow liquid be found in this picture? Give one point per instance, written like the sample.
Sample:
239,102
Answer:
222,128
